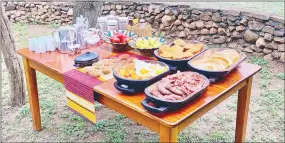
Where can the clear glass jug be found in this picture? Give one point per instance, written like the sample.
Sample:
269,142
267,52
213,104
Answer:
64,37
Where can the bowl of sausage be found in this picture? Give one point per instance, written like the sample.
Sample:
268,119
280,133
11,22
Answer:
173,91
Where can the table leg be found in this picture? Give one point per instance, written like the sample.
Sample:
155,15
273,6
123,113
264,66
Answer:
31,81
168,134
242,111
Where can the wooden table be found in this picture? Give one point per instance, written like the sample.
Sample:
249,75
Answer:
168,126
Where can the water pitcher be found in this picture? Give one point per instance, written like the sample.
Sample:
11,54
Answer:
64,37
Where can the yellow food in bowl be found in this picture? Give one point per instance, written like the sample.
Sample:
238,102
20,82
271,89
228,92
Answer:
217,61
150,43
180,50
140,70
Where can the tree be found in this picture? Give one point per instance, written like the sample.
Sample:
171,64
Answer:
8,49
91,10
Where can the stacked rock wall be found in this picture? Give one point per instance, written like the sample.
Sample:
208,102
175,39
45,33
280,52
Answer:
39,12
250,32
257,33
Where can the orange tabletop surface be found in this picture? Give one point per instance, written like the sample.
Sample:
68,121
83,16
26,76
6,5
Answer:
62,62
243,71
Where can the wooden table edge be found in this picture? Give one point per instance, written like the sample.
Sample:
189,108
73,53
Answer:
52,73
194,113
56,75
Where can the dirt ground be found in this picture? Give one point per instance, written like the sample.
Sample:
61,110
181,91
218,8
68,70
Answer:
265,123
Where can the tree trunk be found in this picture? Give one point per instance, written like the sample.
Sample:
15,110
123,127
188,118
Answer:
8,49
91,10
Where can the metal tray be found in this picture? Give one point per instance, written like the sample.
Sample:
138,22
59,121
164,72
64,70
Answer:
164,106
131,86
215,76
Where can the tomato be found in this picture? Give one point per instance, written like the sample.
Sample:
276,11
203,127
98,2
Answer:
112,39
121,37
127,39
117,40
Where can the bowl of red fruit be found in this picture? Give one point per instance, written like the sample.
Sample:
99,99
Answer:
118,38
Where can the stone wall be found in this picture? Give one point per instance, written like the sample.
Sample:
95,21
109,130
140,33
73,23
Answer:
257,33
40,12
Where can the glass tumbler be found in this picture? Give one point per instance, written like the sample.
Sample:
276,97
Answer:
32,44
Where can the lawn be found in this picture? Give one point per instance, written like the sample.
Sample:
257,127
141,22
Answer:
265,123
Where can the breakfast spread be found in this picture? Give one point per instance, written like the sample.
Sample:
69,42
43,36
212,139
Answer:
178,86
139,70
119,38
179,50
136,76
106,66
217,61
149,43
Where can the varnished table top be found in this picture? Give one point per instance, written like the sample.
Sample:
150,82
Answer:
214,91
61,63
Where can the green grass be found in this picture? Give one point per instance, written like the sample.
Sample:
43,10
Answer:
24,110
258,60
64,115
219,136
35,22
280,76
269,117
214,46
264,83
18,27
21,31
273,98
54,25
74,126
71,129
98,105
120,117
22,34
47,106
76,118
266,73
113,129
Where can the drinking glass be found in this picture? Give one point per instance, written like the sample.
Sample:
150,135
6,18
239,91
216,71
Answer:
31,44
50,43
